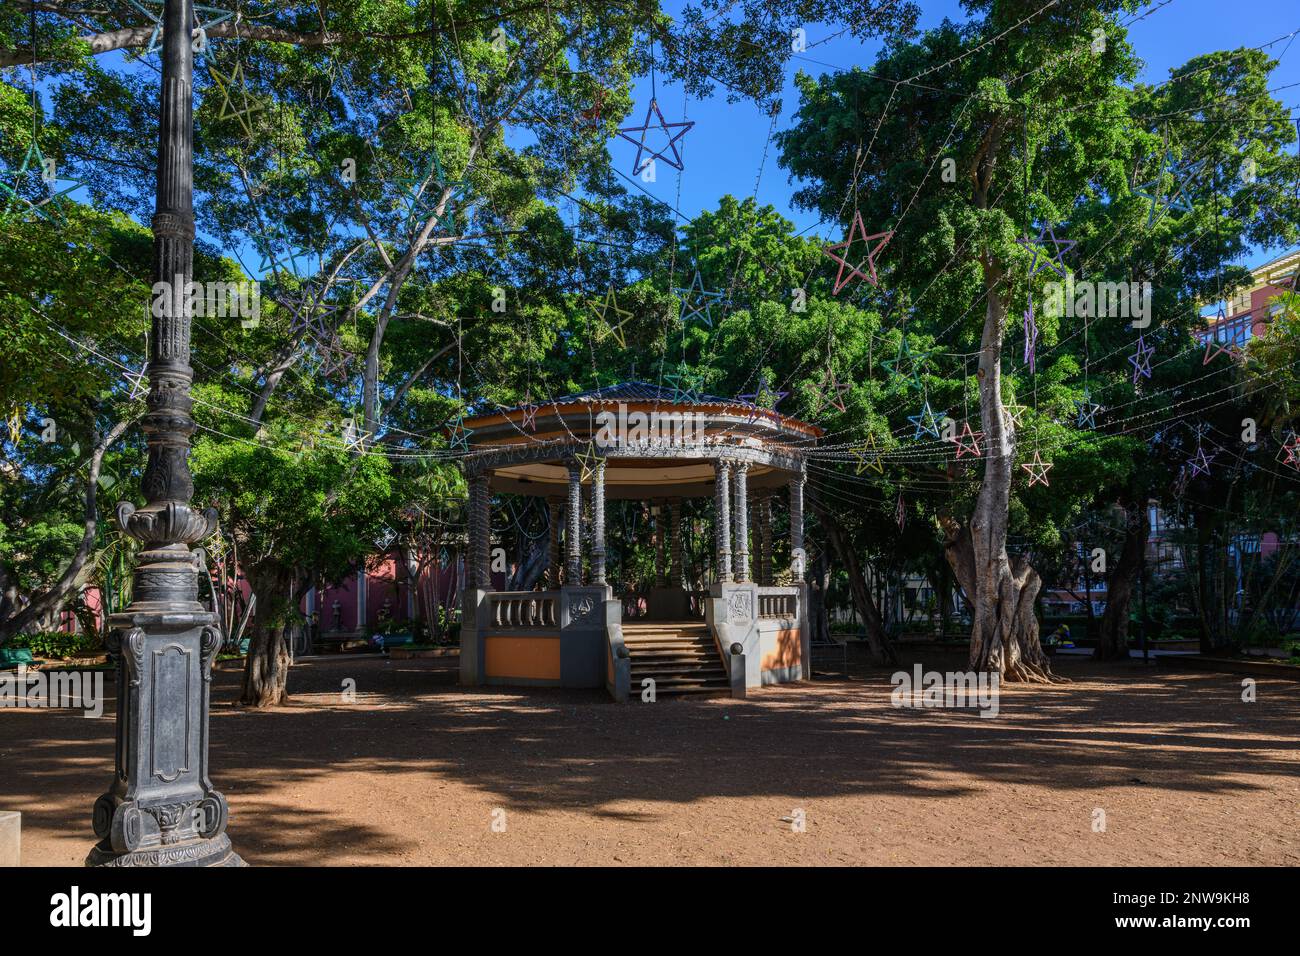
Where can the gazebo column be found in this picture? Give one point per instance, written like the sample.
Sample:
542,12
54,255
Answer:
722,520
796,526
764,575
480,532
573,529
659,512
553,510
742,520
677,568
598,525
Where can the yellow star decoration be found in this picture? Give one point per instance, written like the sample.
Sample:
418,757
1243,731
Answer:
15,424
868,456
1038,470
602,310
225,83
589,460
1012,414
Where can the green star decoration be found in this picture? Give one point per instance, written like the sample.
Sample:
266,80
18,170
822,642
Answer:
907,364
233,82
422,194
686,383
34,160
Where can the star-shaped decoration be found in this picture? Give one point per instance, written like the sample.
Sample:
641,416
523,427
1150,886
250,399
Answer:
529,420
1086,411
458,434
34,161
1013,414
155,39
763,400
1050,259
603,310
281,257
424,192
830,392
900,512
354,437
1031,336
927,423
1199,464
15,423
967,441
868,456
589,461
139,382
702,298
907,364
233,87
857,232
1183,173
1214,346
687,384
1141,360
1290,454
639,142
385,538
1038,470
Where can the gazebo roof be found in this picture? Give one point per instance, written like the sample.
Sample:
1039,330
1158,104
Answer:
527,449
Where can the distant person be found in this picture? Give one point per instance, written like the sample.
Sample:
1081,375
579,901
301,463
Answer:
1059,637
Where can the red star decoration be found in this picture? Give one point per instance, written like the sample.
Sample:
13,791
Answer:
1292,450
857,231
968,441
530,414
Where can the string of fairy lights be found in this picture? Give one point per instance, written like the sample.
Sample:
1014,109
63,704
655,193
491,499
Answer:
695,299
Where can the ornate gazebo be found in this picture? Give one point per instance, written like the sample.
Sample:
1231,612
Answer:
648,443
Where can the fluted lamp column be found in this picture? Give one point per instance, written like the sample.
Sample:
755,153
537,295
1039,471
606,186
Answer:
161,809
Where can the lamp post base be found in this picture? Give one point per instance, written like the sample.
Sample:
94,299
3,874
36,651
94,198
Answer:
214,852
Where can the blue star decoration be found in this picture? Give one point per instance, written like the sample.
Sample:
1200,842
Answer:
1050,259
280,256
639,142
1087,411
458,434
1183,172
927,422
1200,463
702,298
34,160
686,384
155,39
603,310
764,399
1141,360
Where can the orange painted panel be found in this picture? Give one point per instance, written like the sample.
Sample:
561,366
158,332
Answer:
787,653
537,658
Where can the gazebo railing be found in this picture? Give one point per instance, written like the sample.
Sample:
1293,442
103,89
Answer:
778,602
518,609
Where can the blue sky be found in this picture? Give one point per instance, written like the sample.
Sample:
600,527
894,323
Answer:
723,151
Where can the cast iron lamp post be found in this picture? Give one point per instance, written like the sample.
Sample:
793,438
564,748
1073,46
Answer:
161,808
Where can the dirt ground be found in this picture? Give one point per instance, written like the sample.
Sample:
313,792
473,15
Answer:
418,771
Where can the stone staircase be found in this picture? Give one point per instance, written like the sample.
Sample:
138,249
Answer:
679,655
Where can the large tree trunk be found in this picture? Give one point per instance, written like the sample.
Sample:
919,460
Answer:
1002,590
882,650
266,669
1112,642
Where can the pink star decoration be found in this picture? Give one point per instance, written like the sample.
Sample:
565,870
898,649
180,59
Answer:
1038,470
857,231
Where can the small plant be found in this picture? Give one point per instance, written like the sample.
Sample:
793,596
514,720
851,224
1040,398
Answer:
56,644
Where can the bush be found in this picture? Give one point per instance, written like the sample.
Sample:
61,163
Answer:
56,644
